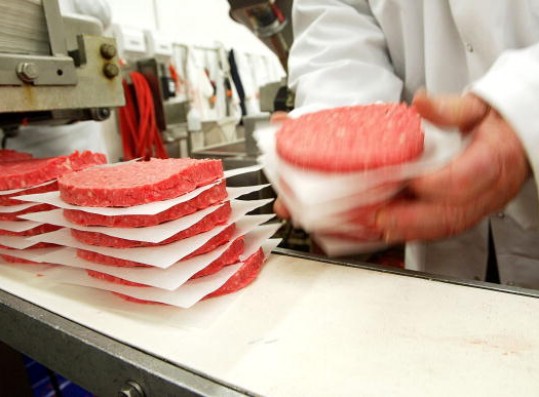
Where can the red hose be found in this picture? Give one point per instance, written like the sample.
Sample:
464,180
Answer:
138,126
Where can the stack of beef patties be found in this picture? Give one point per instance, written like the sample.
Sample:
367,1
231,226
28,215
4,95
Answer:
334,168
154,182
21,174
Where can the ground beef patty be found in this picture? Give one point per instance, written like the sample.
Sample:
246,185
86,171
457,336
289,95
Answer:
11,155
14,259
137,182
209,197
218,217
354,138
45,228
246,274
229,257
21,174
222,238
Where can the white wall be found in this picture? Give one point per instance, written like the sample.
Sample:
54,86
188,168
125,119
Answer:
205,22
202,22
134,13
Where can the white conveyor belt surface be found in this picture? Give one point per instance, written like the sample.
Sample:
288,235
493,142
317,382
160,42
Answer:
308,328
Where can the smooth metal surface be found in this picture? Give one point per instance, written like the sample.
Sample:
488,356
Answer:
96,362
55,26
415,274
223,151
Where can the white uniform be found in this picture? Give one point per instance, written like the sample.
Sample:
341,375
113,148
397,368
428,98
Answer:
356,51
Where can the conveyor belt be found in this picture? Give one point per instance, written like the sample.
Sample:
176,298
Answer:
305,327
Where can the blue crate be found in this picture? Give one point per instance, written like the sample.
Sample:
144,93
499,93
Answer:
41,382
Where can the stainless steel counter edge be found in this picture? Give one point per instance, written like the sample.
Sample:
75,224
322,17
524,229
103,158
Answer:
409,273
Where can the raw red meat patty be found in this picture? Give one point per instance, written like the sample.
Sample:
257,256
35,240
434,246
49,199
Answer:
230,256
218,217
10,199
45,228
222,238
246,274
137,182
136,300
354,138
27,173
209,197
14,259
11,155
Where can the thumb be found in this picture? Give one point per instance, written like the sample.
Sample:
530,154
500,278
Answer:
464,112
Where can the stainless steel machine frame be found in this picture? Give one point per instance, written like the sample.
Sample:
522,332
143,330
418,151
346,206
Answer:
69,84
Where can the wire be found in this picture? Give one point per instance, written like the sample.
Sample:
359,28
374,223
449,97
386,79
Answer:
138,126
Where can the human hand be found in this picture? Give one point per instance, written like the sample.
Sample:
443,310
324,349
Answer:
480,181
278,207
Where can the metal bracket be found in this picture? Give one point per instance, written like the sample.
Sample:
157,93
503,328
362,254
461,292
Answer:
37,70
57,69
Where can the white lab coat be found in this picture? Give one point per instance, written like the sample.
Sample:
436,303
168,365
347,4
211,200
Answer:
357,51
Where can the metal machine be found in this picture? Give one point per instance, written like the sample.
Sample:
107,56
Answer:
54,69
269,20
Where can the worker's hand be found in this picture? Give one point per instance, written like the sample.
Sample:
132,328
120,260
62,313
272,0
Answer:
480,181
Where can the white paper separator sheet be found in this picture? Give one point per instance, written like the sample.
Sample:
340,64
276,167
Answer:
159,256
18,226
17,242
184,296
8,209
201,317
34,255
152,234
177,274
22,190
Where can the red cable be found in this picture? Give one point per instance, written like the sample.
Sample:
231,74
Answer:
138,126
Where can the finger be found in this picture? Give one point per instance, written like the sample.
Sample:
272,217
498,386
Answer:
473,172
463,112
418,220
278,117
280,209
426,220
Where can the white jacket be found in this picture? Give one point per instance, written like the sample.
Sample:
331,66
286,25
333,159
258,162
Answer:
356,51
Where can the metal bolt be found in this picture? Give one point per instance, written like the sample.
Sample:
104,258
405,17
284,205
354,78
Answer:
100,114
111,70
131,389
27,71
108,51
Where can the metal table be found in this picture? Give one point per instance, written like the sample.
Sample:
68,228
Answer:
307,326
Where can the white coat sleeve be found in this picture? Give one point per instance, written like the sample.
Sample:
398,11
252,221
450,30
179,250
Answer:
511,86
339,56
